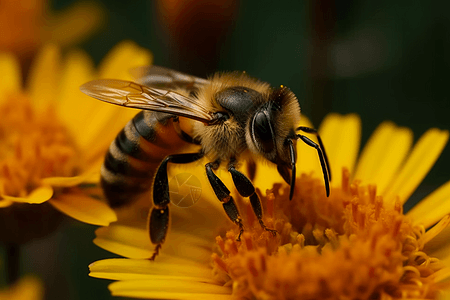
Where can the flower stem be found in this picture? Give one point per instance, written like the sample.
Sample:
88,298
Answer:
13,263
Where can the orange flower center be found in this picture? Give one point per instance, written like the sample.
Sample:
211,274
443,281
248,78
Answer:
348,246
32,146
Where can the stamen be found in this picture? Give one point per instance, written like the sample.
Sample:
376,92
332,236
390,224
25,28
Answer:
32,147
350,245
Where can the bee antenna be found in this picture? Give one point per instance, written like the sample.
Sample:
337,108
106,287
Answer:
322,158
314,131
293,157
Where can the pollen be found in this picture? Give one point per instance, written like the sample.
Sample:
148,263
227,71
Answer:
33,145
351,245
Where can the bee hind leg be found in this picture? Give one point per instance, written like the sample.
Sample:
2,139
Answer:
159,223
246,189
223,194
159,215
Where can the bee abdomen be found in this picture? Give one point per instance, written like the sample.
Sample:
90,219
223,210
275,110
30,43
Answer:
134,156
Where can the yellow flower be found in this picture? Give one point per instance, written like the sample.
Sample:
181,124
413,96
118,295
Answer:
26,25
356,244
27,288
53,137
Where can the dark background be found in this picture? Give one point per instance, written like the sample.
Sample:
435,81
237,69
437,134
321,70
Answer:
384,60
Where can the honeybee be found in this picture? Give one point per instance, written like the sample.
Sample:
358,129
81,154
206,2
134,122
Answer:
229,114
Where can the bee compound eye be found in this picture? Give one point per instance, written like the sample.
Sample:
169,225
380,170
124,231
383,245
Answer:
262,132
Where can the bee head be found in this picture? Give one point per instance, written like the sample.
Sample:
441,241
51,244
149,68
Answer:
272,126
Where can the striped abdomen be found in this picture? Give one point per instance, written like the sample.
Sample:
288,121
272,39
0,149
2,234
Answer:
134,156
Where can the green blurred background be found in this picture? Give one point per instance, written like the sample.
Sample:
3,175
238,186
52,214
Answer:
384,60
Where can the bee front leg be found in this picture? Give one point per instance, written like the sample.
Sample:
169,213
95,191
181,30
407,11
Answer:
246,189
223,194
159,216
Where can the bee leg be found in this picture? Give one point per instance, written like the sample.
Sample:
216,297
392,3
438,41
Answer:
223,194
246,189
323,163
293,157
159,216
159,223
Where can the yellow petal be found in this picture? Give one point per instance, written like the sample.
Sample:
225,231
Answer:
195,248
63,181
95,160
436,229
103,126
84,208
75,24
74,107
266,175
125,241
444,295
5,203
123,57
134,269
37,196
27,288
135,243
433,207
87,118
422,158
169,289
44,76
441,276
107,120
383,154
92,175
439,245
341,136
11,75
208,208
442,252
304,121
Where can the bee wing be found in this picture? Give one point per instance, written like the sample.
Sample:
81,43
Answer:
135,95
165,78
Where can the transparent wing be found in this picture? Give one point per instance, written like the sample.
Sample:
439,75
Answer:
164,78
132,94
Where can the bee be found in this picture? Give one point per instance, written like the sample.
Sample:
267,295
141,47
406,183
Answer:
230,115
